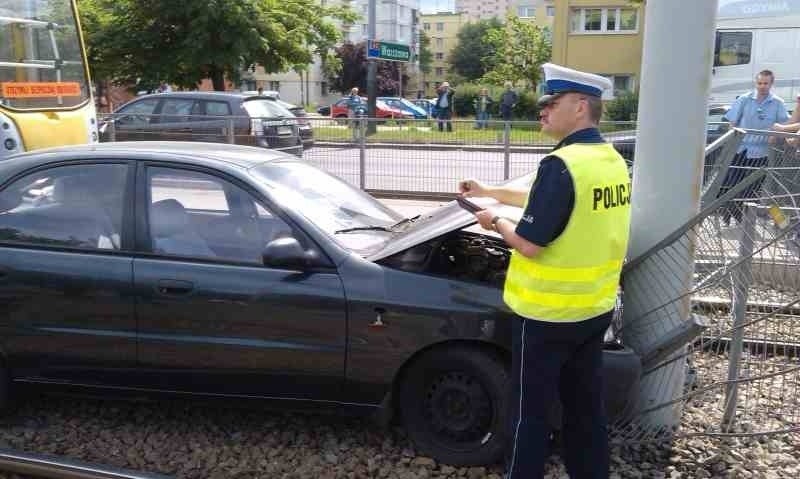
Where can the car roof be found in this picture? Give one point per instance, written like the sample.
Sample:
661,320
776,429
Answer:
218,155
208,95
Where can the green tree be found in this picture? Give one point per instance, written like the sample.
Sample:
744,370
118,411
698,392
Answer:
521,48
353,71
425,53
473,55
133,41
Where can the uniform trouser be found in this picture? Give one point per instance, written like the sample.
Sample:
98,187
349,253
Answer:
552,361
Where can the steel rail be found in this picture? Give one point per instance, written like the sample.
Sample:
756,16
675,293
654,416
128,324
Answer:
56,467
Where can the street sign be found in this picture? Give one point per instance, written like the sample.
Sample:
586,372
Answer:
394,52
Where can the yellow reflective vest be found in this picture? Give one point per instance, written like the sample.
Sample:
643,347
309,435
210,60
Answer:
575,277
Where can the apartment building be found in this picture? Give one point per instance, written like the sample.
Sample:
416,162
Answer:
542,11
600,36
442,29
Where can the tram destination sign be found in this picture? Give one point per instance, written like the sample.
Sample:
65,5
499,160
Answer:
395,52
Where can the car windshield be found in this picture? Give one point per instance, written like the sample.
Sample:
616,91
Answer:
258,108
330,203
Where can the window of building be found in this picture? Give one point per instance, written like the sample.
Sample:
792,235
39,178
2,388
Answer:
439,43
439,56
604,20
622,83
732,48
275,85
551,11
323,88
439,71
439,27
526,11
426,26
364,28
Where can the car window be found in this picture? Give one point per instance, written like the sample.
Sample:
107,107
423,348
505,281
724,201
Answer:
138,113
77,206
217,108
198,215
176,110
262,108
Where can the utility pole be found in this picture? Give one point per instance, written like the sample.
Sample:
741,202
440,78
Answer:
372,70
667,174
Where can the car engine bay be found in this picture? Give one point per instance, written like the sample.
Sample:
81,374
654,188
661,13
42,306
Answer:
461,254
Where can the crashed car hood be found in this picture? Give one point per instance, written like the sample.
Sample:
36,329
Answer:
448,218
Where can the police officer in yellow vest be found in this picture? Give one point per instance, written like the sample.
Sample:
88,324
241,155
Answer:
562,281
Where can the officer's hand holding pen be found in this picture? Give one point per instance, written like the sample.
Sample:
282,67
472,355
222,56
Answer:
469,188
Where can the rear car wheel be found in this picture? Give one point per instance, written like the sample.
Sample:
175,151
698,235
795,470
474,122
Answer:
453,403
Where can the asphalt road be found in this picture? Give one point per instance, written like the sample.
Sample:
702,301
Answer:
419,170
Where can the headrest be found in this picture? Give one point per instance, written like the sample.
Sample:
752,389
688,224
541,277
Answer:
167,218
72,190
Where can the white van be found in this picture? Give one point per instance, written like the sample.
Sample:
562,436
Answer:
755,35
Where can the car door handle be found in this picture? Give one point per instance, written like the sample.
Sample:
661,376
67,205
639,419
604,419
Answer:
174,287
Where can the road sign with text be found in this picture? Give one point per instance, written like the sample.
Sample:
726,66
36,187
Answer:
394,52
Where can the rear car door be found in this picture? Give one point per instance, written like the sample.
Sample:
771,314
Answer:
212,317
66,286
175,119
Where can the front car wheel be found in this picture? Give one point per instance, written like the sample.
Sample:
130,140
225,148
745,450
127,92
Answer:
453,403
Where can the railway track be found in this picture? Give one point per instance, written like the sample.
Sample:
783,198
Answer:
32,465
768,344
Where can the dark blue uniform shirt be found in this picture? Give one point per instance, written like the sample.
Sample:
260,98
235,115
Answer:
552,196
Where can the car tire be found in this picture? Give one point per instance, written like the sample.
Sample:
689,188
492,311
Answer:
453,403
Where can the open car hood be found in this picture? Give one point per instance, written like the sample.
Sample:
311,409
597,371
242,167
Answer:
448,218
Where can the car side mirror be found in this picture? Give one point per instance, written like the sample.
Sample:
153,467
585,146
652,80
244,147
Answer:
287,252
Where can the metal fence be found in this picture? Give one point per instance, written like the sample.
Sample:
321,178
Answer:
743,372
387,157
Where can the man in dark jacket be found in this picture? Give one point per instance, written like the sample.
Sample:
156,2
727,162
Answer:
508,100
444,106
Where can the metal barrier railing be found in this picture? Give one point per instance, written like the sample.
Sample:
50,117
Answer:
743,369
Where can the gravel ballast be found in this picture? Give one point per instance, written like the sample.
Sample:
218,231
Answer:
191,440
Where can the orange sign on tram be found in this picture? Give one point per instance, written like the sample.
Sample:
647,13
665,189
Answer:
39,89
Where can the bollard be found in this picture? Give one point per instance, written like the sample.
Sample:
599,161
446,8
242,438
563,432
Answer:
742,278
231,133
507,151
112,129
362,153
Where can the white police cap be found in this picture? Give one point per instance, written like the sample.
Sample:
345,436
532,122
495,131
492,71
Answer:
560,80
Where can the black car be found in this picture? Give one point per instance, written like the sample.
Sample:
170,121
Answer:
215,270
716,126
304,125
206,116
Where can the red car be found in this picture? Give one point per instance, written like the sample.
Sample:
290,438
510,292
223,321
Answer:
382,110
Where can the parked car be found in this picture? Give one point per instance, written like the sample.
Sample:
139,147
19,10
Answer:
205,116
426,104
382,110
625,141
270,93
324,110
217,270
304,125
404,105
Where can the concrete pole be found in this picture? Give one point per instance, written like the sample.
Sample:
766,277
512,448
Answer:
667,176
372,70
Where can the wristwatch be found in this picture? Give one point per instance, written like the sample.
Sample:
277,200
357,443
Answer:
494,222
